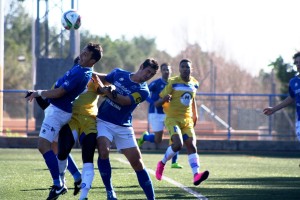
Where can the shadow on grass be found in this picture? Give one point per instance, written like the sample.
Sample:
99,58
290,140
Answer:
281,188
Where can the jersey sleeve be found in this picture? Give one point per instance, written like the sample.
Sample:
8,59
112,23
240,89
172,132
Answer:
139,96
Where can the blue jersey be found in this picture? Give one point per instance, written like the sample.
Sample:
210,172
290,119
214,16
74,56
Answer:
115,113
155,88
74,82
294,91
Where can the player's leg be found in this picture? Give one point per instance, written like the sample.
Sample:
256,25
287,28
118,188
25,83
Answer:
54,120
157,125
133,155
104,139
298,131
65,143
193,158
177,143
175,164
88,145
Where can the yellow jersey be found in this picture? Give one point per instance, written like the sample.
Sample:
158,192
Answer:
183,94
86,103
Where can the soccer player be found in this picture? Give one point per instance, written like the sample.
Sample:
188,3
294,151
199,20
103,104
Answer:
72,167
156,114
82,127
114,122
59,112
294,91
179,103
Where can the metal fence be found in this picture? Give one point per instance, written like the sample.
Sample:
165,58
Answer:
240,116
223,116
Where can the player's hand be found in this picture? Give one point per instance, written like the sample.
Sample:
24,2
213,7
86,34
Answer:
31,94
28,93
167,98
268,111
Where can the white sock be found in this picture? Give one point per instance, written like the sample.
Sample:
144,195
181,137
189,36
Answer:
168,155
194,162
62,166
87,177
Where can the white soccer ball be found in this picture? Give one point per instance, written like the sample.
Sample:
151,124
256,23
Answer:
71,20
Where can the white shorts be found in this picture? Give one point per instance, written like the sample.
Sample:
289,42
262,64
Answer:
123,137
298,130
157,121
54,119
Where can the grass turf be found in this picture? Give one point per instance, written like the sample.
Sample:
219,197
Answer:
233,176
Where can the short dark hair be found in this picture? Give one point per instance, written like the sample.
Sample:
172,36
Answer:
185,60
76,60
296,55
97,51
164,64
150,62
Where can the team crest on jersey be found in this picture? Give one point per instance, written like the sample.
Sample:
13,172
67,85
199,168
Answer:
296,84
121,79
68,73
186,98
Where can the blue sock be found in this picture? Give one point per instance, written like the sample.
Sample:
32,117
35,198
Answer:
73,169
146,184
104,168
150,137
175,157
52,164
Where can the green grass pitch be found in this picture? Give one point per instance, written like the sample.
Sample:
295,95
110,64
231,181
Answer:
233,176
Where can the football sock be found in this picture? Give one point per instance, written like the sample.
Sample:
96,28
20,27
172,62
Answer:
52,164
168,155
146,184
87,179
149,137
175,157
194,162
73,169
105,172
62,166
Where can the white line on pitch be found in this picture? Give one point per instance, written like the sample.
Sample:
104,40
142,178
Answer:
185,188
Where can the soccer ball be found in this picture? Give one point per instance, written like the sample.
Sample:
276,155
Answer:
71,20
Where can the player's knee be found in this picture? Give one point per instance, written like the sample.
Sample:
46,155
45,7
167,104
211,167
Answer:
103,153
176,147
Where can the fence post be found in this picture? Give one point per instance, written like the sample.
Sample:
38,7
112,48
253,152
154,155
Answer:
229,117
27,116
270,117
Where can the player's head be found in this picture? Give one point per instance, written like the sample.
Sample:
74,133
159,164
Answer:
165,70
185,68
296,58
90,55
147,69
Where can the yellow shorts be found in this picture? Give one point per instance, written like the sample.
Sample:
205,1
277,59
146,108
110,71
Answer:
183,127
83,124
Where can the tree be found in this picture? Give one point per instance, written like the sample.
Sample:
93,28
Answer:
284,72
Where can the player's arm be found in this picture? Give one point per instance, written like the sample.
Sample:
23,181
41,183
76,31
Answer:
109,91
49,94
163,100
286,102
101,77
195,112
